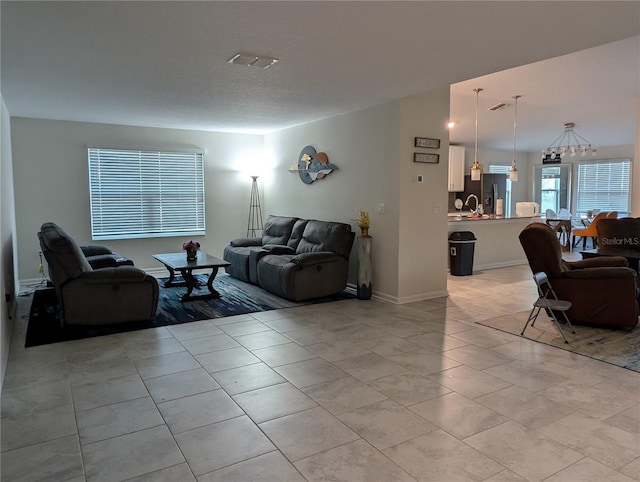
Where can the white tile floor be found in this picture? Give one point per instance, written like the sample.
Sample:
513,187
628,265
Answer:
346,391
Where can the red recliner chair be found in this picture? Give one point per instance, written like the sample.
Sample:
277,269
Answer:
603,291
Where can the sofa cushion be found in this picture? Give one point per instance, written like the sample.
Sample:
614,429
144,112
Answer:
277,229
326,236
65,258
296,233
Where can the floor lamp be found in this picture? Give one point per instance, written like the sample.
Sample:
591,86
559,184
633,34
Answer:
255,211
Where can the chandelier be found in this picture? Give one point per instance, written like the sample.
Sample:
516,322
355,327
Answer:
569,142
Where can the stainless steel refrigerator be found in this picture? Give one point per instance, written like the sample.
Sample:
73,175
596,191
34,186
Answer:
494,187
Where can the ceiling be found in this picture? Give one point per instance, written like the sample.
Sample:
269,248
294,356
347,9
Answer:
597,89
164,64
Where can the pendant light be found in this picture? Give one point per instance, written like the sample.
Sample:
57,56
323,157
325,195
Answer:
475,167
513,172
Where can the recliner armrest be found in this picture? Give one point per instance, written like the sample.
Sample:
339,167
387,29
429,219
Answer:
278,249
317,257
600,273
120,274
94,250
245,242
599,262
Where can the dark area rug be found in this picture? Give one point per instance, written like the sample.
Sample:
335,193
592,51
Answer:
238,298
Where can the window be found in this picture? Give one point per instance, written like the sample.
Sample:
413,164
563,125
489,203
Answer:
604,185
145,194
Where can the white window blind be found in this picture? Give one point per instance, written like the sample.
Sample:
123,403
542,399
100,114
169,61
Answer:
144,194
604,185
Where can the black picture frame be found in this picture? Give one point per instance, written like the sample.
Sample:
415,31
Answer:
426,142
426,158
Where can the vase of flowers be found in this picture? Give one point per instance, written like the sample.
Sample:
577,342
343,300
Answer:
365,263
191,247
363,222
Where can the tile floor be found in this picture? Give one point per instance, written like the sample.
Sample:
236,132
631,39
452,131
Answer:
346,391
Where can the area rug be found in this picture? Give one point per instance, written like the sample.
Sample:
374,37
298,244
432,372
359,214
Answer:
618,347
238,298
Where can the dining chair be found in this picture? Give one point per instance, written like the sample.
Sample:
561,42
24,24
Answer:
589,231
564,213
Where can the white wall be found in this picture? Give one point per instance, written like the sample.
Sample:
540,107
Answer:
363,145
8,279
51,184
373,149
422,264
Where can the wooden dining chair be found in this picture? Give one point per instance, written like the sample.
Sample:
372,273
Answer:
589,231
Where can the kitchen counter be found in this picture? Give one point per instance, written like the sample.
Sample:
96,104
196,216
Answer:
497,244
455,218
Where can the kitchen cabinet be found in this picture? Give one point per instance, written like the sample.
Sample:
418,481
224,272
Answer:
456,168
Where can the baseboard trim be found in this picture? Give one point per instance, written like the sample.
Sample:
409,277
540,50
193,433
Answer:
502,264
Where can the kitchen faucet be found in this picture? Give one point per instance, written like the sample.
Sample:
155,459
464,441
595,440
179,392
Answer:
466,203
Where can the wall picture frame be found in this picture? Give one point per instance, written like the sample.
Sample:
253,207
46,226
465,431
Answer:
426,158
426,142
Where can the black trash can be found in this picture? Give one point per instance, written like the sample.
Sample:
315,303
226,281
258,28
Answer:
461,247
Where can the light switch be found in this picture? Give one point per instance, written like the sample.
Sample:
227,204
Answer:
420,178
382,208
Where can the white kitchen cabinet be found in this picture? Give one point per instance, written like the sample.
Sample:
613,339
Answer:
456,168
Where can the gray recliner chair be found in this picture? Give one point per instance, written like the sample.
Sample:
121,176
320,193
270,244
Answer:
88,296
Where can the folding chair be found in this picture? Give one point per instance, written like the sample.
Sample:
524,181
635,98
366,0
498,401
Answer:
548,300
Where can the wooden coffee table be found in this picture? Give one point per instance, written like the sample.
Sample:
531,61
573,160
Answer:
178,262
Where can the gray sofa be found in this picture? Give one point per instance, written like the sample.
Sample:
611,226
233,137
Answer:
117,293
296,259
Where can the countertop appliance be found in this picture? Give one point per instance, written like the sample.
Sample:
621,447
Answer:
527,209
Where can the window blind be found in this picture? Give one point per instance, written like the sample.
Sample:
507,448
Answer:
604,185
143,194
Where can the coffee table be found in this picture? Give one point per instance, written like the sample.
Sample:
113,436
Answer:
178,262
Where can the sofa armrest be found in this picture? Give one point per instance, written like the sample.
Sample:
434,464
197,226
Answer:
95,250
278,249
599,262
246,242
317,257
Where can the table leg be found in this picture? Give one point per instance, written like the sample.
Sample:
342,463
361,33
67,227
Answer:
172,275
212,290
191,282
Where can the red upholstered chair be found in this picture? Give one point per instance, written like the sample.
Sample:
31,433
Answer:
602,291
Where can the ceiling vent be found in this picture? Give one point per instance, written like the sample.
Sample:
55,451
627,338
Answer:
252,60
499,106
